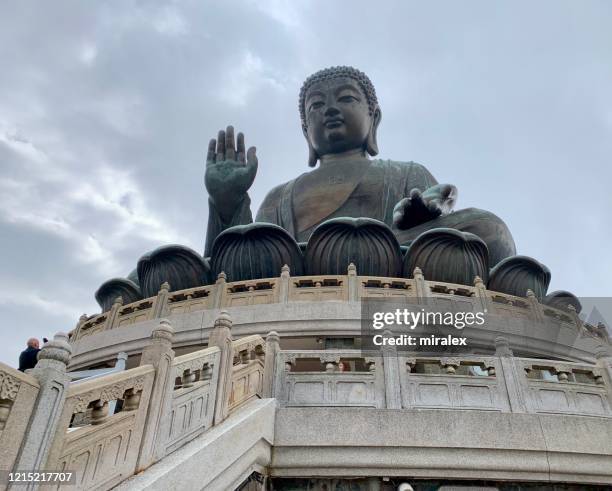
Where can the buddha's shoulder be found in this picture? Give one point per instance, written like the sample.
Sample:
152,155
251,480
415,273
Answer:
400,165
274,196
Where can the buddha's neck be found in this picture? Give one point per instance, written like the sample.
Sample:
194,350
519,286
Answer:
348,156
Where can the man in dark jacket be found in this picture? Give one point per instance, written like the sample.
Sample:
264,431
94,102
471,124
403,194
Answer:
28,357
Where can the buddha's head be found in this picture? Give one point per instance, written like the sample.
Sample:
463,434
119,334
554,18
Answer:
339,112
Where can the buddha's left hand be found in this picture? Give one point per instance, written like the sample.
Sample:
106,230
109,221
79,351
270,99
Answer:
421,207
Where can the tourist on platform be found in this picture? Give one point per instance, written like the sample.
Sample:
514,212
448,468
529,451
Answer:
29,356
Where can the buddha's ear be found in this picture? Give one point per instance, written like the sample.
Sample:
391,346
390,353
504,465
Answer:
312,154
371,144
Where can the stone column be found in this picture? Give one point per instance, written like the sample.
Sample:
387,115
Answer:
76,333
390,364
421,287
160,305
50,372
220,291
283,288
511,375
113,314
481,293
353,284
604,362
221,336
158,353
536,306
272,349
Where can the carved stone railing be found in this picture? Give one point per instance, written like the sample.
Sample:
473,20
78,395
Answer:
345,288
196,377
396,381
247,371
104,452
464,382
325,381
318,288
566,388
18,392
168,401
106,428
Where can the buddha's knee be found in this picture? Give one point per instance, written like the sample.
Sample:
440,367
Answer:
486,225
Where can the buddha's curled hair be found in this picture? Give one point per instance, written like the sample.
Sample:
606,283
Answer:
336,72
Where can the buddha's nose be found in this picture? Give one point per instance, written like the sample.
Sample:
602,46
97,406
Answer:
332,110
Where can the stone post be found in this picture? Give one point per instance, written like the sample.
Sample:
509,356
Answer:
220,291
113,314
353,284
511,375
574,315
77,330
421,287
272,349
604,362
283,288
481,293
158,353
160,304
221,336
390,364
536,306
50,372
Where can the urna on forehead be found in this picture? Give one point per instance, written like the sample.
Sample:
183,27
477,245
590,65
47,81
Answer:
338,72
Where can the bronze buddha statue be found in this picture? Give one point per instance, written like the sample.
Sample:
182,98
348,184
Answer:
340,116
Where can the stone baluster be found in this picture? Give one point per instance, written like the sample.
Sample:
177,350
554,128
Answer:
121,361
221,336
113,314
353,283
132,400
421,287
283,288
450,365
481,293
391,374
536,306
50,372
272,349
160,355
188,378
512,376
99,412
331,366
220,291
160,304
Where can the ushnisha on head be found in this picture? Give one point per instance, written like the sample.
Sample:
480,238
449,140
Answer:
339,112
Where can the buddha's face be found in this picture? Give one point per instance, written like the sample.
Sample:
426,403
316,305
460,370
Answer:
337,115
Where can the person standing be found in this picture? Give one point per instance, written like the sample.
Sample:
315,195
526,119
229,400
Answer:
29,356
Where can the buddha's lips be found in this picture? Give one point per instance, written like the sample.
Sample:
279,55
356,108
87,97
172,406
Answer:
333,123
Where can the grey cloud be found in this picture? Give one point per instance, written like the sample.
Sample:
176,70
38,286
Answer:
106,111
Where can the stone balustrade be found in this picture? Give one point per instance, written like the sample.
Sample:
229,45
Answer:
500,383
167,401
343,288
133,417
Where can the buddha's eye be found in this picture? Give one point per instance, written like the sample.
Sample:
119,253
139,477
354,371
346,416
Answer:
315,105
348,98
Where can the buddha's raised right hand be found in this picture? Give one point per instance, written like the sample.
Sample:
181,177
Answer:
229,172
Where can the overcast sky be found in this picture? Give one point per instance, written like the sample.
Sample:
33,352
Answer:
106,109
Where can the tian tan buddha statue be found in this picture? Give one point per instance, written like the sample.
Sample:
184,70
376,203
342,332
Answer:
340,116
385,217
